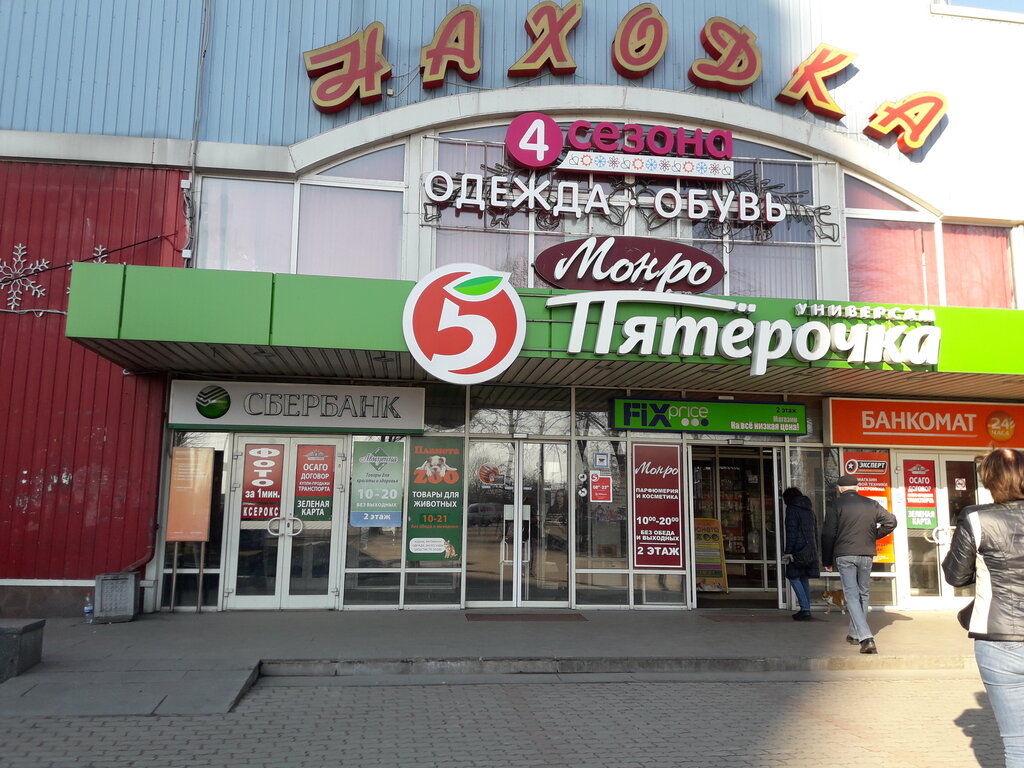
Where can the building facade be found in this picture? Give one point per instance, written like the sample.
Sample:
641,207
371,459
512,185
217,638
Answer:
496,304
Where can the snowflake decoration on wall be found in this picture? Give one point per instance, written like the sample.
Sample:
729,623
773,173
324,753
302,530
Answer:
16,278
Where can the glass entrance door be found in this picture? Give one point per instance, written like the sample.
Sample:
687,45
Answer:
933,489
518,527
284,517
739,488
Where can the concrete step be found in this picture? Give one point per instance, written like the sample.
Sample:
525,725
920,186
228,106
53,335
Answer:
608,665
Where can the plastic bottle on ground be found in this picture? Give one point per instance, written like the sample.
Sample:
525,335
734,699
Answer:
87,609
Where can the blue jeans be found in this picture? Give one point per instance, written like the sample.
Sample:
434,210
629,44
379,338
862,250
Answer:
1001,665
855,574
802,588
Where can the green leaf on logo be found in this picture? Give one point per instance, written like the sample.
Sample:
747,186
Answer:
478,286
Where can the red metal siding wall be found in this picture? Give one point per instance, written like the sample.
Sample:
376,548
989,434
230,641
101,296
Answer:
80,440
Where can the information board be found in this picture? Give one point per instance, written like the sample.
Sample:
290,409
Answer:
188,502
709,555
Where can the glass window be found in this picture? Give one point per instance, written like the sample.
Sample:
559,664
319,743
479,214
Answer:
519,411
424,588
602,589
245,225
815,418
592,410
387,164
494,133
445,408
772,271
807,472
659,589
742,148
501,251
859,194
891,261
602,525
349,232
375,547
977,262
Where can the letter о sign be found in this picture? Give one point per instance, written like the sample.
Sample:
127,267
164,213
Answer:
464,323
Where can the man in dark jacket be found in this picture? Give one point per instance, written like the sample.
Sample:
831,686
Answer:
848,542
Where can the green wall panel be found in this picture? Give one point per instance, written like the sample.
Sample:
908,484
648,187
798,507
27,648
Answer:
199,305
338,312
986,340
94,306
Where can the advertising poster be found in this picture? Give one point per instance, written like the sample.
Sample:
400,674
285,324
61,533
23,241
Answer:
709,554
919,482
657,507
262,480
375,498
600,488
314,482
872,470
436,502
188,502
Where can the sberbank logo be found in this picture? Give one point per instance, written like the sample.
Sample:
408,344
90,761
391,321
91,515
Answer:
213,402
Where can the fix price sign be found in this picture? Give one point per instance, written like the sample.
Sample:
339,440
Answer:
657,507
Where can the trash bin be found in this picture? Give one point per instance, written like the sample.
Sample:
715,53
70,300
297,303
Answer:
117,597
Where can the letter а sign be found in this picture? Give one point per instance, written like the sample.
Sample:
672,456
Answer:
464,323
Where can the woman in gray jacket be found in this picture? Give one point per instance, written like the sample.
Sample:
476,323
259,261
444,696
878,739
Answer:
988,551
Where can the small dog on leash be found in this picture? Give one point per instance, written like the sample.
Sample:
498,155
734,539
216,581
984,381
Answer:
834,598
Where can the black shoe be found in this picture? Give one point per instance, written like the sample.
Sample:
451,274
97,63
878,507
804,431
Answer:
802,616
868,646
852,640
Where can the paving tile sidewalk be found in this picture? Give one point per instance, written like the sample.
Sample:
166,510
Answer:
196,664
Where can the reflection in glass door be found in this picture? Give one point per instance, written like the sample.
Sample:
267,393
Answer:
739,488
935,488
285,511
517,538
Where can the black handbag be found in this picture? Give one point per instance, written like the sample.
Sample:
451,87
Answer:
964,615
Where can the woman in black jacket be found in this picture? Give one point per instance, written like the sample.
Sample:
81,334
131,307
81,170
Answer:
801,552
988,551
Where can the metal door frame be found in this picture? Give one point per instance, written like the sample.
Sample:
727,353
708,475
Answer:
941,535
518,560
280,599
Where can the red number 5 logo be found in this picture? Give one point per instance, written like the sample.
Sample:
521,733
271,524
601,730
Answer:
464,323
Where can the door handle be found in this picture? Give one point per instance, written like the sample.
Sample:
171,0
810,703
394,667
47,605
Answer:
295,526
274,530
940,535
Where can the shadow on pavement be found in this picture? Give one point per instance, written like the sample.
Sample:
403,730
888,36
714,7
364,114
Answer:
979,725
